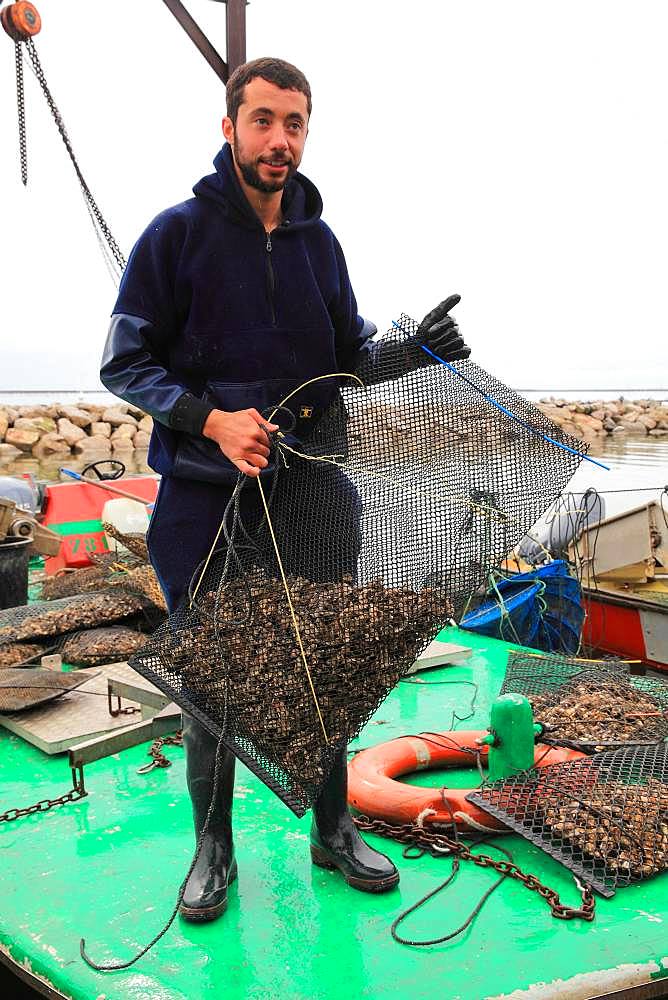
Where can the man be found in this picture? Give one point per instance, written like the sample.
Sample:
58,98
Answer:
227,299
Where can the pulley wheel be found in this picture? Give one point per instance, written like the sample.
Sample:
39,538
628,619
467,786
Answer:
21,20
22,527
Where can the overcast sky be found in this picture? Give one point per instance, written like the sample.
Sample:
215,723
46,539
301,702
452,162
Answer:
514,152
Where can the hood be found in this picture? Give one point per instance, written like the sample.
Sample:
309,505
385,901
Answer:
301,202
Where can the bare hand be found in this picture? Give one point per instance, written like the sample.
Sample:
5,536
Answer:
241,437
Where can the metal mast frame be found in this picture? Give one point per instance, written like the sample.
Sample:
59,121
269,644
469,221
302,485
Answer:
235,44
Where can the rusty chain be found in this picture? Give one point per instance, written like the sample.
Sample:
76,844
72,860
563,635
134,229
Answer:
439,843
77,791
96,213
20,100
119,709
158,758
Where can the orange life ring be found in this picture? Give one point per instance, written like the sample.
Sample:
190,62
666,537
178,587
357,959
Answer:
373,791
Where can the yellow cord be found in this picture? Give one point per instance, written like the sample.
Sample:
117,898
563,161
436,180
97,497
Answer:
579,659
295,623
318,378
274,411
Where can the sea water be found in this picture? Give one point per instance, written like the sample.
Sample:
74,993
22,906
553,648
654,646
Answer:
638,471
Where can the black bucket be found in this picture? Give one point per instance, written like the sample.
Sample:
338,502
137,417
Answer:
14,559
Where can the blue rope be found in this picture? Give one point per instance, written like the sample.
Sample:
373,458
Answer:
494,402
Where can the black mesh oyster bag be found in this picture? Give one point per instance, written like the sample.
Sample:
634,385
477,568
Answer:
604,817
588,704
389,494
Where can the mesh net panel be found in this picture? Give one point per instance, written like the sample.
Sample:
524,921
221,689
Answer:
589,705
67,614
96,646
387,517
605,817
13,653
110,570
141,580
88,578
76,581
23,688
134,542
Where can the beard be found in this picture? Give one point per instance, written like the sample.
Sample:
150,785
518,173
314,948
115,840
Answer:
250,173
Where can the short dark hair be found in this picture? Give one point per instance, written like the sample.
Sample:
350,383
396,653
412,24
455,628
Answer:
277,71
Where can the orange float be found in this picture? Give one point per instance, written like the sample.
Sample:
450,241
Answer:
372,788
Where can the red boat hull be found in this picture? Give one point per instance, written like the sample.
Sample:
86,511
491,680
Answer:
74,511
628,627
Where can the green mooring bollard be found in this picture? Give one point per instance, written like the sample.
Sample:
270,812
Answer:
512,736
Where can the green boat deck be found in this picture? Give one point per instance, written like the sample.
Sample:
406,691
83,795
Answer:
108,868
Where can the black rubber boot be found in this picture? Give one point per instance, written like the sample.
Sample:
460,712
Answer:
335,842
205,896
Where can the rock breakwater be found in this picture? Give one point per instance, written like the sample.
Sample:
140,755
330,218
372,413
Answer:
90,429
600,418
85,429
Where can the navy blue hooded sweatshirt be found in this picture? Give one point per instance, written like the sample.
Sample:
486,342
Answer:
213,312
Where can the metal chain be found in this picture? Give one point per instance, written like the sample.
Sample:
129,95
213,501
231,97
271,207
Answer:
158,758
99,218
439,843
20,100
119,709
77,791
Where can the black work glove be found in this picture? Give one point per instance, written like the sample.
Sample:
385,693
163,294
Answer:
439,332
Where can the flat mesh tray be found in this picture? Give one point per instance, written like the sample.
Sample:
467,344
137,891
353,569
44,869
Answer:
590,705
22,688
604,817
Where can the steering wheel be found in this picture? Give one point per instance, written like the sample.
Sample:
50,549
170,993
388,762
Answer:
112,474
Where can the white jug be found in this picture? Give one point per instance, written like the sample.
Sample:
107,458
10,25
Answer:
129,516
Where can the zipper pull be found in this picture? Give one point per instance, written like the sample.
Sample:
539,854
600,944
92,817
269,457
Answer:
269,243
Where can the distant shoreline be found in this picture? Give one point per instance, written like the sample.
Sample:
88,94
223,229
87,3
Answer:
598,418
96,430
20,397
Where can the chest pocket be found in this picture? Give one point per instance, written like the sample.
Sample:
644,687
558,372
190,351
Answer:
201,459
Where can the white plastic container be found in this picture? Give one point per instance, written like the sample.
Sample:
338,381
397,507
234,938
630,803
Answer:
128,516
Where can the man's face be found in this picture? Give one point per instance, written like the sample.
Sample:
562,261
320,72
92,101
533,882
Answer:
269,136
